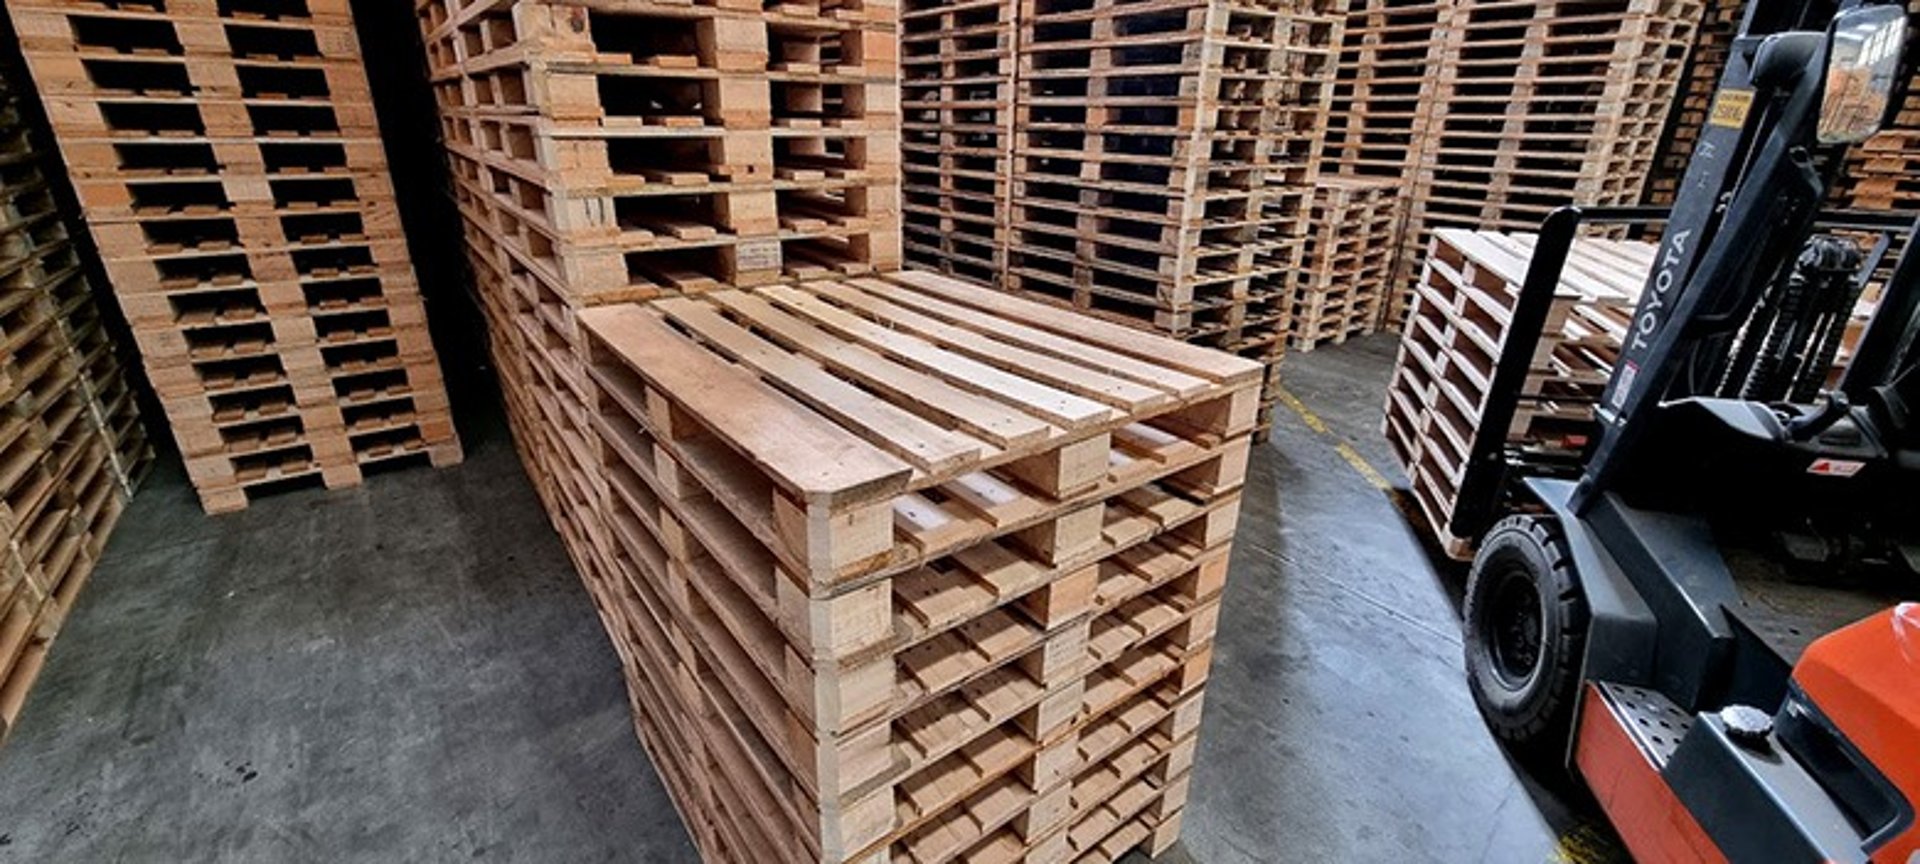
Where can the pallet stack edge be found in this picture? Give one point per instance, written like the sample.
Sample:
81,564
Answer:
232,175
73,448
898,568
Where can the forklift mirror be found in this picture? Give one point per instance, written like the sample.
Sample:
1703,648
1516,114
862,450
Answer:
1863,57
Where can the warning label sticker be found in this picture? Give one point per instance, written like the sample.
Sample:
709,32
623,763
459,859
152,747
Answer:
1730,108
1624,387
1835,467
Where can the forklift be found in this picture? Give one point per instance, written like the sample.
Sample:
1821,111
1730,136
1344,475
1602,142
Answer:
1706,613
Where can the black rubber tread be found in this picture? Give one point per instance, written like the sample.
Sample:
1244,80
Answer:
1538,716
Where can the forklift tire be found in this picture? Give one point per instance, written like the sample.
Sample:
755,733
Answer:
1526,628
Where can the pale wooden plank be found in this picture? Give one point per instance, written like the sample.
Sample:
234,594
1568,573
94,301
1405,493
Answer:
930,448
810,457
1204,362
1058,407
1109,362
1005,427
1127,395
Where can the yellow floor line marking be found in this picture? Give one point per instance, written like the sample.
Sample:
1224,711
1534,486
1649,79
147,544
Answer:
1585,844
1360,464
1367,472
1306,414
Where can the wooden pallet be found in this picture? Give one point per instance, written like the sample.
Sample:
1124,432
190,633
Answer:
1499,112
72,448
993,602
1387,55
1456,332
957,105
1347,260
981,625
230,168
632,152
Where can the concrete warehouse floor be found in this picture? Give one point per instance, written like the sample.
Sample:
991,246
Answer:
409,671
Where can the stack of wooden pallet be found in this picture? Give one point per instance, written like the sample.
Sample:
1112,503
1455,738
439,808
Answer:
1389,52
625,150
1385,78
1158,161
1298,110
903,569
609,152
1545,104
1502,111
72,448
897,567
231,171
1352,229
1711,44
957,94
1456,330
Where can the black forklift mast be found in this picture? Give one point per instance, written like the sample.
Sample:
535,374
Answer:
1746,203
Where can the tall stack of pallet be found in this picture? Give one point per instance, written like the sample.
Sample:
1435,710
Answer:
897,567
1501,111
1353,227
1456,331
1303,85
609,152
72,447
1147,138
956,100
1385,79
229,166
909,570
1712,42
1545,104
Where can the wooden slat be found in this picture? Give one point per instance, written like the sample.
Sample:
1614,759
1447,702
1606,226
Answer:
1000,424
930,448
1055,406
1206,363
816,460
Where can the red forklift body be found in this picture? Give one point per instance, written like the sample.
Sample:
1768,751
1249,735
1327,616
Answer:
1850,735
1866,680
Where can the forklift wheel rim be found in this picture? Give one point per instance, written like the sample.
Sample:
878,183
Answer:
1514,627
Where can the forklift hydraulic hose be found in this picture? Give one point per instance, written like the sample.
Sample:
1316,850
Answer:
1804,427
